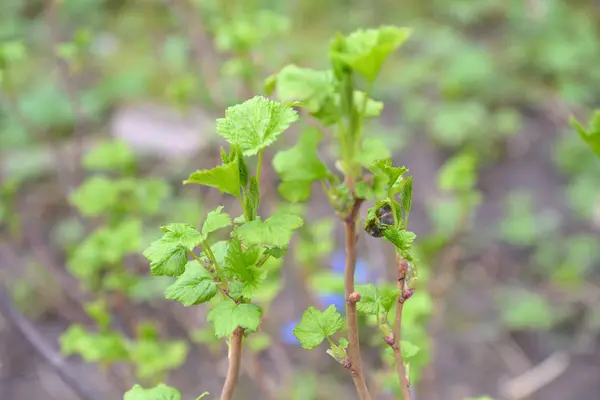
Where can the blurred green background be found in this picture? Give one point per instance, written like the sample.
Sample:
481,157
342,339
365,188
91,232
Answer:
107,105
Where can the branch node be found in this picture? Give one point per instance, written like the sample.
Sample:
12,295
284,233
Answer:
353,298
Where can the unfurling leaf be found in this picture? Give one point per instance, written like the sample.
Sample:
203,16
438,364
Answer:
159,392
255,124
276,230
193,287
375,300
402,239
227,316
365,51
168,255
215,221
299,166
225,177
315,326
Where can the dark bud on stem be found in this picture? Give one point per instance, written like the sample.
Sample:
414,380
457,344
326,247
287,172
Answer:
402,268
346,363
354,297
408,293
389,340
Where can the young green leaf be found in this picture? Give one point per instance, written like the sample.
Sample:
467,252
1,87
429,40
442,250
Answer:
255,124
375,300
99,313
299,166
315,326
313,88
241,265
242,167
408,350
385,168
591,136
114,155
225,177
95,196
159,392
365,51
373,108
152,357
168,255
227,316
193,287
406,197
276,230
402,240
252,199
215,221
93,347
459,173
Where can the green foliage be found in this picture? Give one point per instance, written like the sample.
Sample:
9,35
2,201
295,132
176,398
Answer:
522,226
316,326
592,135
110,156
168,255
255,124
375,300
223,177
159,392
524,310
276,230
227,316
300,166
365,50
194,286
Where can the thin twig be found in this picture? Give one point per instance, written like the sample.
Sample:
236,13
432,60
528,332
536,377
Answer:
235,360
41,345
536,378
355,364
396,345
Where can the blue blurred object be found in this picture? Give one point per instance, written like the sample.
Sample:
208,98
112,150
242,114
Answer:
338,264
337,299
287,332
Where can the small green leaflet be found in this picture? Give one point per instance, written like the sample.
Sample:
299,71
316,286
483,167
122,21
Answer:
227,316
402,239
276,230
255,124
153,357
385,167
459,172
299,166
241,265
365,51
406,197
193,287
93,347
168,255
159,392
252,199
215,221
375,300
408,350
591,136
315,326
311,87
225,177
114,155
95,196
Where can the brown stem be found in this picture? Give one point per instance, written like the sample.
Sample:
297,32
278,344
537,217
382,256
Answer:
404,382
351,316
235,360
